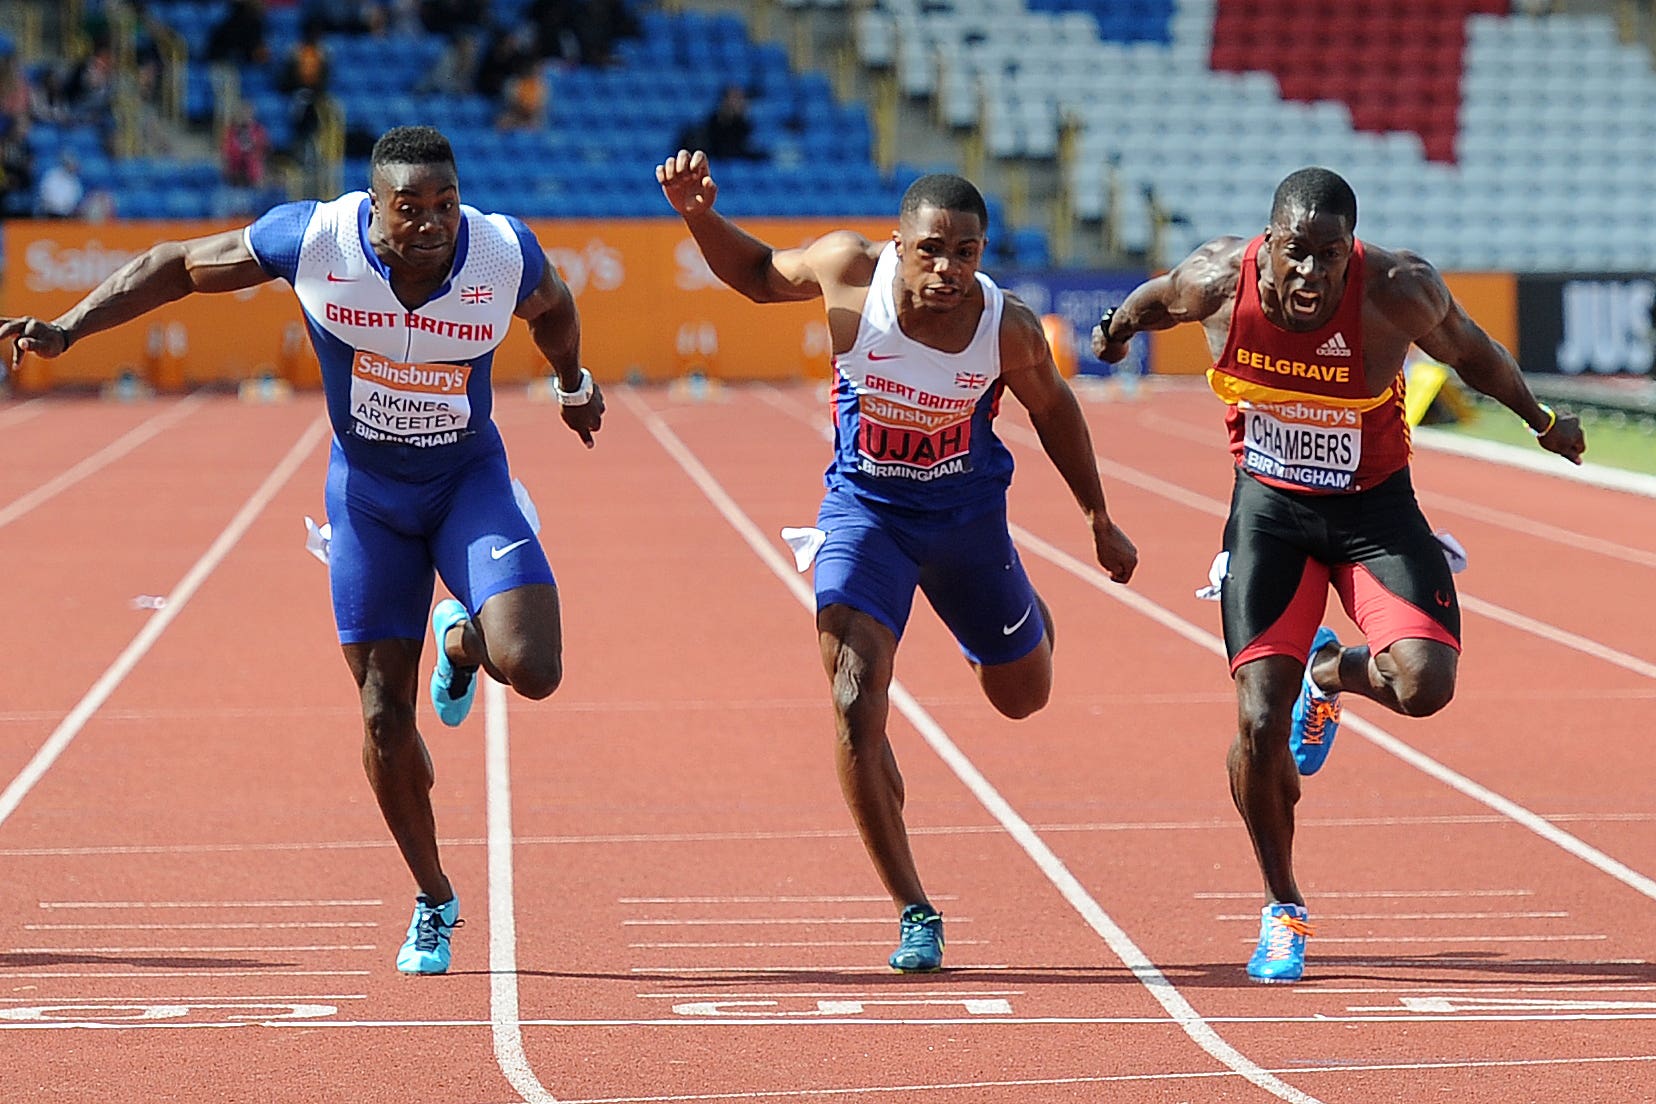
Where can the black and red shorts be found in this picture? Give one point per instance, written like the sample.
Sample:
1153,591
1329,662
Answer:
1374,546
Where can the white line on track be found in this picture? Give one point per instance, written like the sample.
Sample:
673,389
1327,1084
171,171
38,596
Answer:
767,921
157,624
503,978
22,412
1357,894
1534,527
1536,460
365,903
80,1000
1388,939
273,948
1154,981
105,456
1324,916
1422,762
814,899
96,975
203,927
953,942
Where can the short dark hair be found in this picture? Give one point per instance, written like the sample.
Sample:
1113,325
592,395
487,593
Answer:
946,192
1316,189
410,145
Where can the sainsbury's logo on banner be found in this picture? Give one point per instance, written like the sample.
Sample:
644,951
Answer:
55,267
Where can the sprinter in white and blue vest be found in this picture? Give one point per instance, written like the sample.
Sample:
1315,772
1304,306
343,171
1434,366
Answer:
925,346
406,294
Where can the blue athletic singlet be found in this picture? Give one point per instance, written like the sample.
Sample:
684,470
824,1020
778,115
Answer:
417,478
914,425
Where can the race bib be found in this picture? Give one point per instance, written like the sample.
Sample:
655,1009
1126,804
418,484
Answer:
1317,447
408,404
897,440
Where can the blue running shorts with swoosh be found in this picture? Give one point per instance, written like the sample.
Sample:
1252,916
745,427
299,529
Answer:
874,557
390,534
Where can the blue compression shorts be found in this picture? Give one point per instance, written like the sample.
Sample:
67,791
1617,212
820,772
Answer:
969,571
391,537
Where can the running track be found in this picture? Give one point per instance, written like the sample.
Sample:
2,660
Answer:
665,899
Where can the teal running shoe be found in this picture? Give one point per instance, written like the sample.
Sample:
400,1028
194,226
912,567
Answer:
1280,956
452,688
920,945
426,951
1316,715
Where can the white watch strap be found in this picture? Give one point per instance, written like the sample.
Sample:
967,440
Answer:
578,397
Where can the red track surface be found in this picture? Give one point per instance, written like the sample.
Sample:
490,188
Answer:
686,912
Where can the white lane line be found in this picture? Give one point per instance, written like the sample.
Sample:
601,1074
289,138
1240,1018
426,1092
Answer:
1536,460
22,412
157,623
1548,831
503,977
1357,894
1154,981
101,459
203,927
803,943
95,975
273,948
815,899
840,994
1389,939
213,998
1533,527
286,903
765,921
1325,916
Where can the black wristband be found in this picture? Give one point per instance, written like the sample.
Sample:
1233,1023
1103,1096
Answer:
1104,321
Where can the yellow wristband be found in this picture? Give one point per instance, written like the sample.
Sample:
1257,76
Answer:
1552,420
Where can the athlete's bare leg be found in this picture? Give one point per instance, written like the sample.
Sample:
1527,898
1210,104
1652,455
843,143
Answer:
1414,677
1022,687
1265,783
517,637
395,758
857,655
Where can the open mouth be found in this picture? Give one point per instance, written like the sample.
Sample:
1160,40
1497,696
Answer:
1303,303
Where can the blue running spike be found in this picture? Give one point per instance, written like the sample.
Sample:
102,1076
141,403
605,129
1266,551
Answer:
1280,956
920,945
426,950
1316,718
451,707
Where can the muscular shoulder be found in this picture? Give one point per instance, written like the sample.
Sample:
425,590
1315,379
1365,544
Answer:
1022,338
1406,289
1206,280
842,257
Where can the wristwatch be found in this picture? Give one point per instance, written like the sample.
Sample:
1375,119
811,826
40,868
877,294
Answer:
578,397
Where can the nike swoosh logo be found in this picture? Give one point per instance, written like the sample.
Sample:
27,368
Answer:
496,553
887,356
332,279
1008,630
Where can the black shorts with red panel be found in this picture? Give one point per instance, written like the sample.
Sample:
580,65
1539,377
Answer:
1375,547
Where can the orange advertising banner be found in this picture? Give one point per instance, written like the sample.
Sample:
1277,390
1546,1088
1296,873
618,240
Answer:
650,308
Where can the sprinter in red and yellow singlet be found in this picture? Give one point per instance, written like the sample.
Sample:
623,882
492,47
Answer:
1308,328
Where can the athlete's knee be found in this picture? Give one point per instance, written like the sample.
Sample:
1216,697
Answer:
532,672
1424,692
1022,700
388,721
1261,732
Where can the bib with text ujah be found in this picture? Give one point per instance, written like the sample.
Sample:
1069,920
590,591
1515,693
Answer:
895,439
410,404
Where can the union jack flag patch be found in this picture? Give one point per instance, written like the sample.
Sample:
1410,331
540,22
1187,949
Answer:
477,293
970,379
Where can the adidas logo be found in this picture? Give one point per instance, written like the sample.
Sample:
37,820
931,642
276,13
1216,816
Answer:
1334,346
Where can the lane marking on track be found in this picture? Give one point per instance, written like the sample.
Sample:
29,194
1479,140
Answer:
273,948
953,942
125,443
22,412
179,597
1536,460
204,927
1322,916
503,977
834,994
766,921
1116,1079
1573,938
1153,980
1336,894
288,903
812,899
1534,527
96,975
1589,854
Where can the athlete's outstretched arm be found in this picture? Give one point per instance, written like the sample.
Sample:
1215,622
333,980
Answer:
555,325
1420,302
159,275
1195,288
750,266
1030,374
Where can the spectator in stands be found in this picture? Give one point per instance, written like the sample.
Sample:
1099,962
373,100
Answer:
16,172
239,38
304,78
89,89
524,106
599,25
1308,326
61,190
460,23
456,70
511,54
245,151
727,132
14,94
